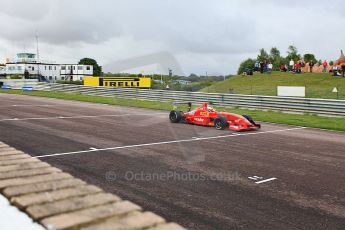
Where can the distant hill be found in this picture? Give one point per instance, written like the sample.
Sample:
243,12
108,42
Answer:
318,85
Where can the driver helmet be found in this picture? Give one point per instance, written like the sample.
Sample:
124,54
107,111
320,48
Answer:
210,109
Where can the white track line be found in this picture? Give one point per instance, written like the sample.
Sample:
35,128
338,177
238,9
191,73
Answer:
75,117
264,181
168,142
7,106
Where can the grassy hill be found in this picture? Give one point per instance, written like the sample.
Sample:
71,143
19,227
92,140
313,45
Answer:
318,85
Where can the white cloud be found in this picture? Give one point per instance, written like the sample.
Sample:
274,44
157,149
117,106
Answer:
202,35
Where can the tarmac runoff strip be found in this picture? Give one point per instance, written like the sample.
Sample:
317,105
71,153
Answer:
167,142
82,116
57,201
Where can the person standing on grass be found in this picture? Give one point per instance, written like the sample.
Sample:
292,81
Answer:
343,69
302,65
324,64
265,66
256,66
270,67
311,65
298,67
261,67
291,65
335,69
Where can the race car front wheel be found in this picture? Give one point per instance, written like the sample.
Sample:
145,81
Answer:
220,123
175,116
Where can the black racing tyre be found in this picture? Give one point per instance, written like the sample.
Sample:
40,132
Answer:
249,118
220,123
175,116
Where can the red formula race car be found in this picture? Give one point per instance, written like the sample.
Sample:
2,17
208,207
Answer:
207,116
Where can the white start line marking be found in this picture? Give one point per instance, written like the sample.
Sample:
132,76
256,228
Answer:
255,178
264,181
92,148
82,116
169,142
4,106
259,180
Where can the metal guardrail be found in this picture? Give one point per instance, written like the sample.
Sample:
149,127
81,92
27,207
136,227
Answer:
285,104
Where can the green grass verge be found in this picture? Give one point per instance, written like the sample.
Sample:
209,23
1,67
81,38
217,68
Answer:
318,85
313,121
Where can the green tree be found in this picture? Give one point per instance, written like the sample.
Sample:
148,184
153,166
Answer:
249,63
97,70
274,54
275,58
331,63
293,53
193,77
309,57
263,55
278,62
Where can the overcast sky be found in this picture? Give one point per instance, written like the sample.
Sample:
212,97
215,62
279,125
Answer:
203,36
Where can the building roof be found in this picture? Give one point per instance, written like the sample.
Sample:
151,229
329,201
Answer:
26,55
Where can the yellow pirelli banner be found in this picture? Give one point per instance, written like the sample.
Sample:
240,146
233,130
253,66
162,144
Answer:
124,82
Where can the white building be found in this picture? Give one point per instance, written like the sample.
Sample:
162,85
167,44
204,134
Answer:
26,62
182,82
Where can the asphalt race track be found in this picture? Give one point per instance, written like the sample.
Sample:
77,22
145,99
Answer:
281,177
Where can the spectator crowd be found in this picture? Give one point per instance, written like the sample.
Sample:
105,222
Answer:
337,69
294,63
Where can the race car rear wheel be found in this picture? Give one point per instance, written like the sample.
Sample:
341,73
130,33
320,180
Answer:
220,123
175,116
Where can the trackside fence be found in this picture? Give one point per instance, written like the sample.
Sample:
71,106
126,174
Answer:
285,104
